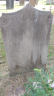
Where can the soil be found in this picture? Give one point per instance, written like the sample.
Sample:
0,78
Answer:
10,85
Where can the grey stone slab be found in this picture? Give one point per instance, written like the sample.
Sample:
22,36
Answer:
26,35
9,4
50,1
32,2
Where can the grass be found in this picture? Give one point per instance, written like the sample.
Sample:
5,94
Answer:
52,12
2,50
3,8
17,7
51,45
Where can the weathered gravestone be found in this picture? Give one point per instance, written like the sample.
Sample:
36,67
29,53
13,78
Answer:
32,2
26,35
36,2
9,4
21,2
50,1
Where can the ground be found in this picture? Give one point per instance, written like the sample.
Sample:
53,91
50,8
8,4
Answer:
8,84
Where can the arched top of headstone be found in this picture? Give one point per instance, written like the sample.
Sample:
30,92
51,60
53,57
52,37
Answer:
26,35
27,12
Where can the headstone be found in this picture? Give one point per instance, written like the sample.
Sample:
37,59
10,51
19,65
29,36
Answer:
37,2
32,2
26,35
21,2
9,4
53,2
50,1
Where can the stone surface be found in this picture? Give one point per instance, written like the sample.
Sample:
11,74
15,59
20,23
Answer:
26,35
9,4
21,2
